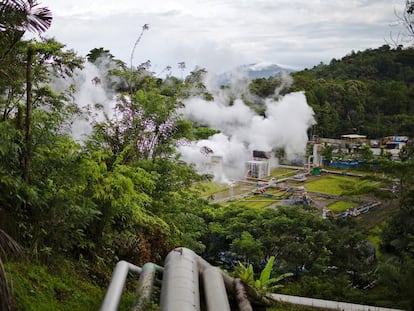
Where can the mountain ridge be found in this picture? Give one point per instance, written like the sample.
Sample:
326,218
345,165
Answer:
253,71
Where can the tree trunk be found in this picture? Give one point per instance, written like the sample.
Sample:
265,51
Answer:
27,148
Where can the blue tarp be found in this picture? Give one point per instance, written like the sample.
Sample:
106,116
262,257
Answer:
347,164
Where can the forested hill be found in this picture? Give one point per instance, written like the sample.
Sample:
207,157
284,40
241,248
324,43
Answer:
369,92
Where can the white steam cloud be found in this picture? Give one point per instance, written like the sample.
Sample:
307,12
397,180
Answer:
242,130
92,97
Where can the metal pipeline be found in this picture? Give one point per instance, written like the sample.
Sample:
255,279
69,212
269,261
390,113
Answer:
114,292
180,285
145,286
214,290
180,290
241,296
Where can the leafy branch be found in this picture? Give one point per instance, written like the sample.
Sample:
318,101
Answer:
259,289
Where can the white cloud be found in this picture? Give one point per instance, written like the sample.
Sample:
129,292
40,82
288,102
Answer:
219,35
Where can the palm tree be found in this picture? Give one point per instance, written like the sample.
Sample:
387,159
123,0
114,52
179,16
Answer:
17,17
24,16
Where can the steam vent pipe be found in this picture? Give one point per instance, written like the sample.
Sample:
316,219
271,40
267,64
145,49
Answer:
180,285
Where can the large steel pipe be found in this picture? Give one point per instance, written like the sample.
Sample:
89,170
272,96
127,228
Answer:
214,290
145,286
114,292
180,284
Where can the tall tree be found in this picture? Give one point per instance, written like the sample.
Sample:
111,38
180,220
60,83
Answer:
44,60
16,17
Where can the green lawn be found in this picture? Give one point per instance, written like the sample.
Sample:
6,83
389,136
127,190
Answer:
259,203
374,238
283,172
335,185
208,188
341,206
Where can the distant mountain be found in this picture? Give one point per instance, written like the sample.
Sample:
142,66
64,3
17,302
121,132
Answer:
253,71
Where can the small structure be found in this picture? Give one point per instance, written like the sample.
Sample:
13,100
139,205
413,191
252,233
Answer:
395,144
259,167
316,171
353,140
215,167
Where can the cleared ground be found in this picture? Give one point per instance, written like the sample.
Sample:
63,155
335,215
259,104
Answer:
335,191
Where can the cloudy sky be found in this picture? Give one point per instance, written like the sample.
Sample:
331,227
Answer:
221,34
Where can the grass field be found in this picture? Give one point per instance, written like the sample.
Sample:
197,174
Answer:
39,287
255,204
334,185
341,206
208,188
283,172
374,238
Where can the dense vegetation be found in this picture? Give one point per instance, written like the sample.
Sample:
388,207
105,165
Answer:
123,193
367,92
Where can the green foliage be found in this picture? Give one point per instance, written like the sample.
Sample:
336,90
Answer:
245,273
327,152
35,288
38,287
97,53
247,246
148,126
365,154
367,91
265,283
265,87
124,194
8,248
340,206
360,187
284,306
202,132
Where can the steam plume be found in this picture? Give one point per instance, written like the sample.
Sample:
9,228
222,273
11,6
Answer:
242,130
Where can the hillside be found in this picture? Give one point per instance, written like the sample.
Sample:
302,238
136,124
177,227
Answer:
70,208
252,71
368,92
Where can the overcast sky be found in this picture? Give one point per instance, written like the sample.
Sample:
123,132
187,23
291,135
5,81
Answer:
221,34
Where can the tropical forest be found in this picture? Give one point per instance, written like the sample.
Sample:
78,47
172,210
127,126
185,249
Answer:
84,186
